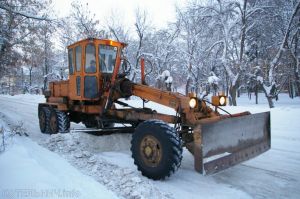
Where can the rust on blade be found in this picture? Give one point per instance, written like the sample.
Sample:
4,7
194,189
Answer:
235,158
225,143
197,149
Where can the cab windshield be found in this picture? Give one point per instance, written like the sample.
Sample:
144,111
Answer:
107,58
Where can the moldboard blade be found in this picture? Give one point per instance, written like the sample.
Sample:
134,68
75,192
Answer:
230,141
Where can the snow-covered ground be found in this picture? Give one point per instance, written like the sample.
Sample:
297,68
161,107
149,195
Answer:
31,171
107,159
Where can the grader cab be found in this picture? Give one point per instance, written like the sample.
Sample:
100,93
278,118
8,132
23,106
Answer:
97,82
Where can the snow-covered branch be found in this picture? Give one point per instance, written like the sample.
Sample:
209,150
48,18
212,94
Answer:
283,45
23,14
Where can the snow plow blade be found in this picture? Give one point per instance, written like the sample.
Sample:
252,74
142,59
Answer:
227,142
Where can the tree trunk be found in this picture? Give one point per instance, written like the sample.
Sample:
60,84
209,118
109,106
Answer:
187,86
296,65
2,62
30,76
232,92
269,97
227,85
256,94
291,88
243,30
297,82
46,63
270,102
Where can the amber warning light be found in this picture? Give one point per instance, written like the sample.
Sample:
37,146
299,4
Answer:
220,100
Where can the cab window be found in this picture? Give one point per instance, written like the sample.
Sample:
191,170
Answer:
107,57
78,58
70,57
90,58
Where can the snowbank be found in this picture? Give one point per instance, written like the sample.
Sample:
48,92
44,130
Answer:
30,171
81,150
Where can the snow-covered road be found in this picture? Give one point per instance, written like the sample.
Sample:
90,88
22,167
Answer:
274,174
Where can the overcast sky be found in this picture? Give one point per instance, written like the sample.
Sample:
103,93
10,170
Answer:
160,11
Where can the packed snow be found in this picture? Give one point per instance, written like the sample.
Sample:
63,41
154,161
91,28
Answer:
31,171
107,159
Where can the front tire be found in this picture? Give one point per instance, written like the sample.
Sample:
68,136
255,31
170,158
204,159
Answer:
156,149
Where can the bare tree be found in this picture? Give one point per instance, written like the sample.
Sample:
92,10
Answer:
142,26
117,28
18,20
269,86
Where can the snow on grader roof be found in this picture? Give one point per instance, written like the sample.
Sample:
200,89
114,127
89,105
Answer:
97,82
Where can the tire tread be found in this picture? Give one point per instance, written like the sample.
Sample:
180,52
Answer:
173,139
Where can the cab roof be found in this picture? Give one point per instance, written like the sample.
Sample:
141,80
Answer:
96,40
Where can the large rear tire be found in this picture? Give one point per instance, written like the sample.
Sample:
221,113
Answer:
44,115
59,122
156,149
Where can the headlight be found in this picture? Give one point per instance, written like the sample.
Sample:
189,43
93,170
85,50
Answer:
218,100
222,101
193,102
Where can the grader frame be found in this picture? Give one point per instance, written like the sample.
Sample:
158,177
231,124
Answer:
91,93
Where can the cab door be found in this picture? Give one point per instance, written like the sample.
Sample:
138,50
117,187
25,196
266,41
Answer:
90,81
75,69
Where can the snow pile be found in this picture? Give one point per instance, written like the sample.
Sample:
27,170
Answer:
126,182
96,144
30,171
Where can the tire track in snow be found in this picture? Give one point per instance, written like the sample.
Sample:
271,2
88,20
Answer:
276,174
286,151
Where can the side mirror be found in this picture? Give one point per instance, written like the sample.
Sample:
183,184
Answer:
125,67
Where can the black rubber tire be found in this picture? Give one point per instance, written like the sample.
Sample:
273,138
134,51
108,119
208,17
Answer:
62,122
44,115
171,145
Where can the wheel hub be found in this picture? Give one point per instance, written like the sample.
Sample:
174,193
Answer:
151,151
148,151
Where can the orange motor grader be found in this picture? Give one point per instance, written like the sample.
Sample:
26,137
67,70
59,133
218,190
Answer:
97,82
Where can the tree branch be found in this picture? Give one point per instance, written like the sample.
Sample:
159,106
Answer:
23,14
